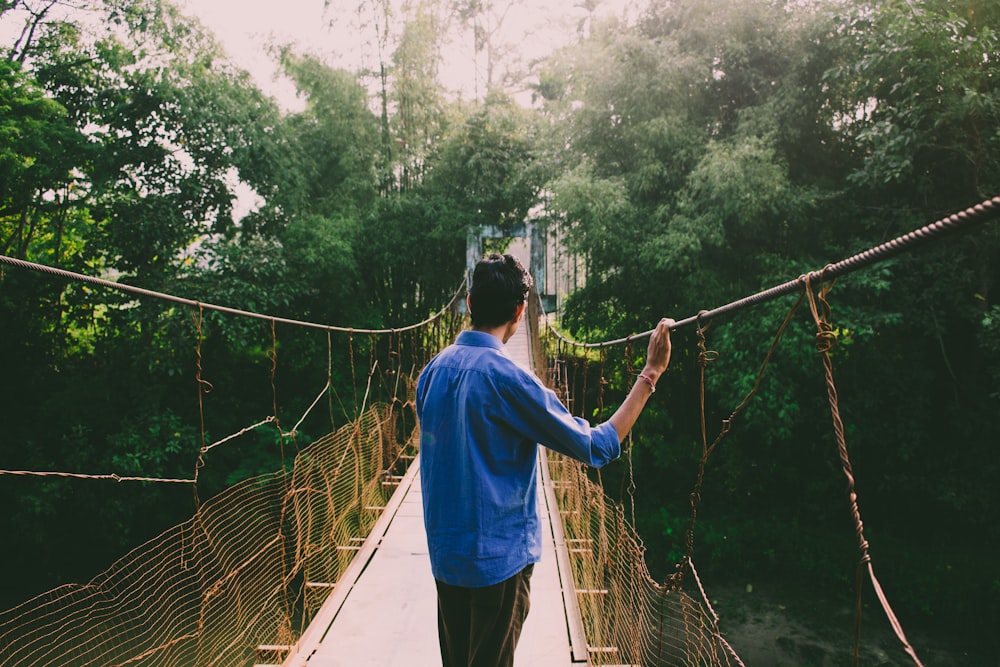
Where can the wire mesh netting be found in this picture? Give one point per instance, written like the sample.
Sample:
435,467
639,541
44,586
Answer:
240,578
628,617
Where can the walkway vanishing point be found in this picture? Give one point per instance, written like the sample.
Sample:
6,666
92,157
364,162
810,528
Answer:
383,610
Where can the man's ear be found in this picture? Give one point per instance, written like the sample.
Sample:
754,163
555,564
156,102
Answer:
519,311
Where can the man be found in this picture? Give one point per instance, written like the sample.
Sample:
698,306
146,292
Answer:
481,419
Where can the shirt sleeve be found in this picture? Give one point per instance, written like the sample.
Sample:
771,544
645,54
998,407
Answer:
536,412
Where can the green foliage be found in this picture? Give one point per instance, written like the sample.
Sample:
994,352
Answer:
37,143
335,140
486,165
156,445
989,341
922,98
421,116
714,149
398,284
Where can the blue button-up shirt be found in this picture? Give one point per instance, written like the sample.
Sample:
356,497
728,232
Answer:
481,419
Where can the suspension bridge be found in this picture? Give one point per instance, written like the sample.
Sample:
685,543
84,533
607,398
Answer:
324,562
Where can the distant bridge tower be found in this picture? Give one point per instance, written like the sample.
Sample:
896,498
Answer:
534,234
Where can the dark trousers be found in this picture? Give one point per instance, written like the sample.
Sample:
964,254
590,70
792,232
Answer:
479,627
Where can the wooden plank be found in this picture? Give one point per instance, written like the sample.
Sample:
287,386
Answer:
389,616
320,624
574,620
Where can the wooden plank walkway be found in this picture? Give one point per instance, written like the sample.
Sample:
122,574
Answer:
383,611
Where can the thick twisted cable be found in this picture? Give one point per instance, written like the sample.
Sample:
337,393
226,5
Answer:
78,277
871,256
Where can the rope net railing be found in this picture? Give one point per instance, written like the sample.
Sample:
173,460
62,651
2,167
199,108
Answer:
240,578
238,582
629,617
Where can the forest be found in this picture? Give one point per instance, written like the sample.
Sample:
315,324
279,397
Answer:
686,153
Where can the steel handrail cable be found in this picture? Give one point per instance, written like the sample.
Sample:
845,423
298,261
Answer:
845,266
79,277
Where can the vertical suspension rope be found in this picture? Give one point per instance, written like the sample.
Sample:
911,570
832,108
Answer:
396,363
329,377
705,356
631,488
203,388
825,340
354,378
372,367
273,357
601,383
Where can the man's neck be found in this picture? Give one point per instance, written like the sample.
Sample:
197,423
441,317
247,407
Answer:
503,332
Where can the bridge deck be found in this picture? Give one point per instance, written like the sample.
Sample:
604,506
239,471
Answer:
383,611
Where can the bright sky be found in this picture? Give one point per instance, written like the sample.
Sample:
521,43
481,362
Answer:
245,27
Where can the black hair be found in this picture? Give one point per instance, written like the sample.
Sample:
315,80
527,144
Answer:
500,283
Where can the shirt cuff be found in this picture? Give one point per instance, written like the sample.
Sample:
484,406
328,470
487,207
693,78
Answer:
605,444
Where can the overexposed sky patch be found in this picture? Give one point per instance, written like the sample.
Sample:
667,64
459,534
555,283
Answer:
246,27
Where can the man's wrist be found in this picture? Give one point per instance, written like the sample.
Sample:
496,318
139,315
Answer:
651,373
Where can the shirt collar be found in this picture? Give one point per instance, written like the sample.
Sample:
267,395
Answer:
479,339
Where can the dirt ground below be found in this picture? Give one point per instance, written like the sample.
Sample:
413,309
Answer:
769,627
